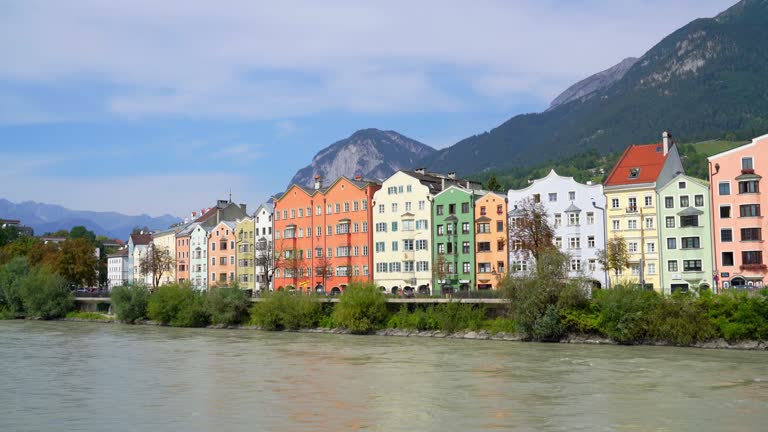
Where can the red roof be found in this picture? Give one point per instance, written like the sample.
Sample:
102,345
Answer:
648,158
141,239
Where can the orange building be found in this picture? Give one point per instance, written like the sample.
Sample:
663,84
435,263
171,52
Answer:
222,252
323,236
182,253
490,240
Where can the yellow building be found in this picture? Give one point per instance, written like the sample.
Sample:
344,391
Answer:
166,240
631,212
244,232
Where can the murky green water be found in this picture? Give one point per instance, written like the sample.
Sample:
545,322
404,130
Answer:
61,376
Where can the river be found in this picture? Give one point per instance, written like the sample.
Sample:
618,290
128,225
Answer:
66,376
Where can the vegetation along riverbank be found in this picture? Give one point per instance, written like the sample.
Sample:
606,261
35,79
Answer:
540,308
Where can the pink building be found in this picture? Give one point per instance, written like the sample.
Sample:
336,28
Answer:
739,198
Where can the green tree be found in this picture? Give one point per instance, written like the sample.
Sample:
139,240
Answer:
130,302
493,184
82,232
156,262
77,262
11,274
361,309
615,257
8,234
45,294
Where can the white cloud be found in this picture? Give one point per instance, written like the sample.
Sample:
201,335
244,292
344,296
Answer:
292,58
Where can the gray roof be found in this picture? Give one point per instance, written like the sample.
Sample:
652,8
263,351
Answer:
572,208
690,211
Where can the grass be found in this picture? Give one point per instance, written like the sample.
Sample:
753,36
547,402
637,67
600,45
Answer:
90,316
712,147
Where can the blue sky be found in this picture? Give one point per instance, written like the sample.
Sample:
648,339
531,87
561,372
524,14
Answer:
163,107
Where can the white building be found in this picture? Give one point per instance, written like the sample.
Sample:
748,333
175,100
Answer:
576,211
117,268
137,248
262,220
198,248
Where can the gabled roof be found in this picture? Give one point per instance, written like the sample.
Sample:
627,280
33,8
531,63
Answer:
141,239
551,175
647,159
187,230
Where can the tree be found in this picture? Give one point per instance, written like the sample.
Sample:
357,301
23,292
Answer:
531,228
439,270
293,262
615,257
156,262
8,235
264,256
493,184
82,232
322,269
77,262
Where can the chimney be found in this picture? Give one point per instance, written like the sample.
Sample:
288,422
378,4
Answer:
421,170
318,182
666,139
242,206
358,176
442,183
451,175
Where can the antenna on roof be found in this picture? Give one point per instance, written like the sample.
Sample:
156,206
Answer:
230,194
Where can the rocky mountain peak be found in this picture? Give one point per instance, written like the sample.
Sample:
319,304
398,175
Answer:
589,86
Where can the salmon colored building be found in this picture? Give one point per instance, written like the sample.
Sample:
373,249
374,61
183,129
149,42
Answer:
222,254
323,236
490,240
182,253
739,199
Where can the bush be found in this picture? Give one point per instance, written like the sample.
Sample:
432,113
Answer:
45,294
499,325
91,316
681,319
419,319
361,309
452,317
178,306
285,311
737,316
582,321
548,326
626,314
130,302
228,306
11,274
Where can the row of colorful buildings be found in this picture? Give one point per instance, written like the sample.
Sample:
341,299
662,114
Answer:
434,233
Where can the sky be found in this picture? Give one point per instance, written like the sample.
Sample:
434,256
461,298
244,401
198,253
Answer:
164,107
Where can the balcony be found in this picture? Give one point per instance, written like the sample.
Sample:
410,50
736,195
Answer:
753,267
748,171
632,209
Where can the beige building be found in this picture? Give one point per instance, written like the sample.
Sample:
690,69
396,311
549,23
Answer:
244,231
166,240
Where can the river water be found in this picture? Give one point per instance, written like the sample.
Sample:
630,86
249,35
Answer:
65,376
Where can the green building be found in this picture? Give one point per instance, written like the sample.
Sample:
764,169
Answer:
685,234
453,237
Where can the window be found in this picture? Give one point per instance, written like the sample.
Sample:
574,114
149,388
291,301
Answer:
465,207
482,211
379,247
519,266
559,242
616,225
650,247
592,264
381,267
724,188
632,224
365,207
558,219
648,201
483,246
365,227
649,222
394,267
727,259
681,185
752,257
213,246
651,268
698,200
749,210
481,228
356,227
751,234
440,230
590,218
572,195
421,224
634,173
421,244
319,231
465,247
449,248
725,212
422,205
517,244
355,205
746,163
365,250
632,247
319,252
465,227
575,264
439,209
692,265
394,207
407,245
614,203
574,243
381,208
689,243
465,267
672,266
338,208
451,208
669,202
750,186
394,226
684,202
499,226
449,229
669,221
381,227
408,266
726,235
536,198
553,197
394,246
689,221
422,266
632,204
573,219
407,225
671,243
329,252
346,207
319,210
408,206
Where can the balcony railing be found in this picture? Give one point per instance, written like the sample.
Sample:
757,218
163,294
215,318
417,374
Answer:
632,209
754,267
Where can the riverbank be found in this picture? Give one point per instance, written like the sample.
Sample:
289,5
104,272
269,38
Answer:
582,339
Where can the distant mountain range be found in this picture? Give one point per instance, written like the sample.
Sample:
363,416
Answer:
706,80
50,218
371,153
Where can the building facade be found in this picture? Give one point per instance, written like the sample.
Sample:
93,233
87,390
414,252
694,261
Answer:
576,211
262,220
685,231
166,241
632,212
244,229
183,258
739,199
198,246
323,236
222,252
491,239
117,268
137,248
453,258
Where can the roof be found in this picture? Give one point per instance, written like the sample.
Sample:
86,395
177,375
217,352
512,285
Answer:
647,159
141,239
552,174
122,252
187,230
435,181
572,208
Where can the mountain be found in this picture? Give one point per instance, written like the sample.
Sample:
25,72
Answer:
50,218
371,153
705,80
587,87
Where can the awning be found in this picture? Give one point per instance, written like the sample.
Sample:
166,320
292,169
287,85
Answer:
690,211
483,219
572,209
744,177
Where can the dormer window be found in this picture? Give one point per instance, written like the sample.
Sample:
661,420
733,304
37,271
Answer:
634,173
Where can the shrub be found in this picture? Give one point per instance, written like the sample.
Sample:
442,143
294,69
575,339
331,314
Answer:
130,302
681,319
499,325
361,309
737,316
285,311
228,306
178,306
548,326
452,317
419,319
45,294
583,321
11,274
91,316
625,313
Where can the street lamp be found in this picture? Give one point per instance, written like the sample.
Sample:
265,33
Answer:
605,241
